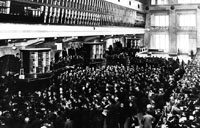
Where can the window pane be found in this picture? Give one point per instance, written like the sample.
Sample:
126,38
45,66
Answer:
161,2
187,20
161,20
157,20
183,43
153,2
167,20
160,41
188,1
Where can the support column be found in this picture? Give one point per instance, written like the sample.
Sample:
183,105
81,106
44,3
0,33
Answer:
147,35
122,40
125,41
198,28
172,32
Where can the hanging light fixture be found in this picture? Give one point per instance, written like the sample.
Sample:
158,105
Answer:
14,47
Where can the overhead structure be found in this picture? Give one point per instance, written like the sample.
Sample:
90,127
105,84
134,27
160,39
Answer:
65,18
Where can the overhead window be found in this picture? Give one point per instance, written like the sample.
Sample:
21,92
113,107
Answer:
187,20
186,42
160,41
153,2
183,43
188,1
159,2
160,20
4,7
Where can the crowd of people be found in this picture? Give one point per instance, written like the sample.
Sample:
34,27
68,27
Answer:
72,56
183,108
112,96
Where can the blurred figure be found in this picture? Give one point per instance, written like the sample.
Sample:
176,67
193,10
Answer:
147,120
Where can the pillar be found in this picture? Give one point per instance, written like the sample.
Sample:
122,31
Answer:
172,32
198,28
122,40
147,35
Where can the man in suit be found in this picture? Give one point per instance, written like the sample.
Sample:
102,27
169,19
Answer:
147,120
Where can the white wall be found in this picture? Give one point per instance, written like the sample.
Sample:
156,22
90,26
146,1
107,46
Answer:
109,42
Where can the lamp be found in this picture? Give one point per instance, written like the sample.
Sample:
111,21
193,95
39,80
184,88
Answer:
147,29
14,47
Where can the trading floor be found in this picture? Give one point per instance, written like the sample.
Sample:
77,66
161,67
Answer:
99,64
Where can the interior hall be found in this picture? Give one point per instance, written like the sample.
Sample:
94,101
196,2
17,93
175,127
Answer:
99,64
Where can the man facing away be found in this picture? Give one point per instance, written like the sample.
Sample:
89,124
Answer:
147,120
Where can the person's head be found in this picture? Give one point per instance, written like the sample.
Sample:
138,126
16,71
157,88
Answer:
121,105
17,55
116,99
149,107
27,119
172,100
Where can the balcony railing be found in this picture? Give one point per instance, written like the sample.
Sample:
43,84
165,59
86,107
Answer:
182,28
69,13
186,28
159,27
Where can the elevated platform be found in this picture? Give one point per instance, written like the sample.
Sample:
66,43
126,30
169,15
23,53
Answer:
17,31
181,58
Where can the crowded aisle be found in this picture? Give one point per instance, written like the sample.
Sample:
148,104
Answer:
183,108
